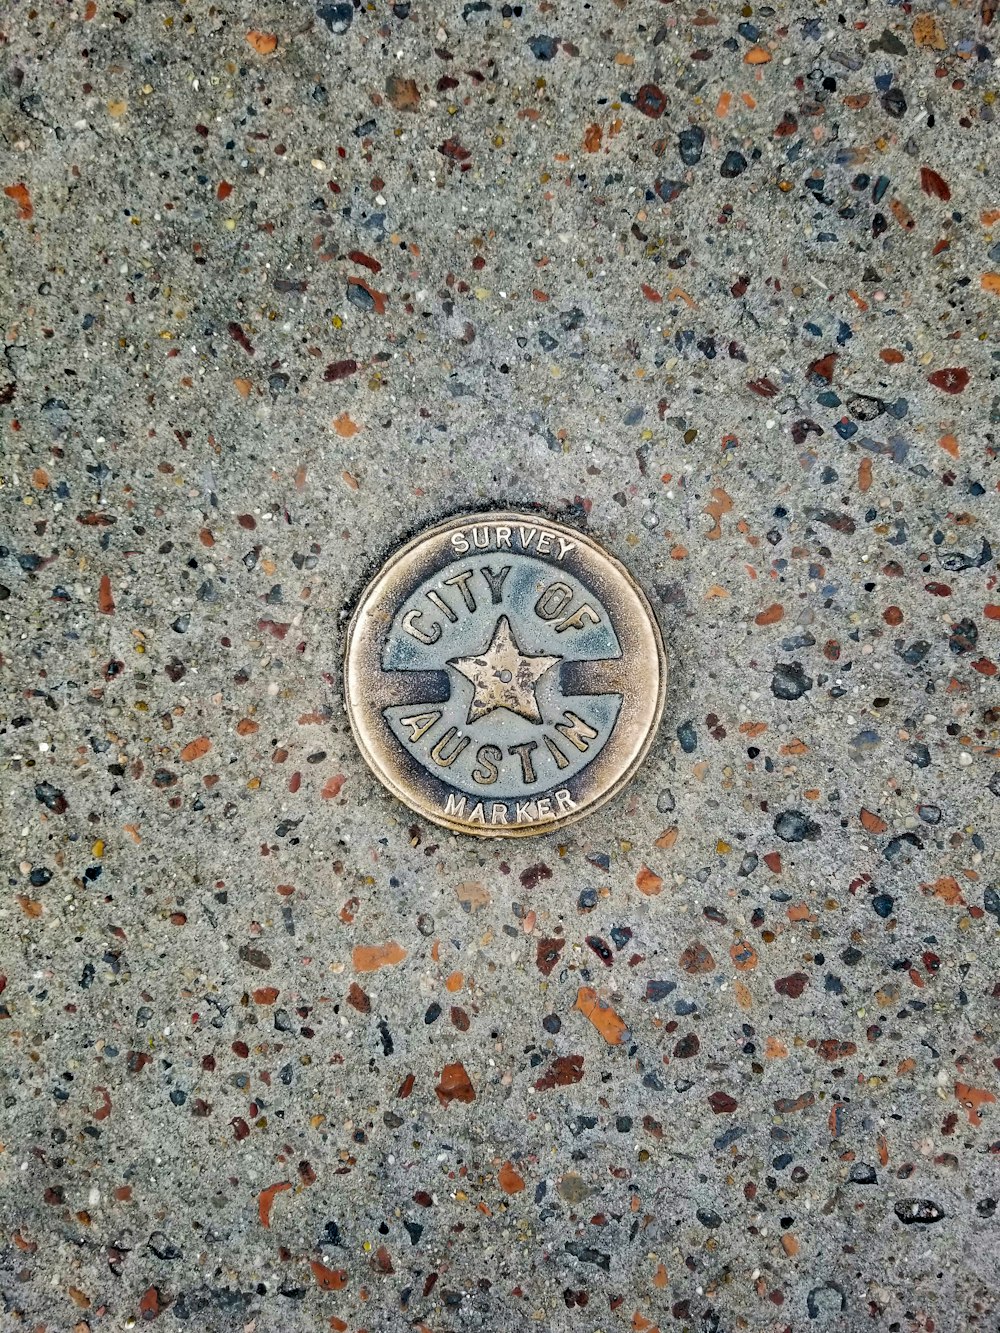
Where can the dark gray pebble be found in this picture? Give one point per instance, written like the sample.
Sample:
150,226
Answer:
790,681
794,826
338,18
922,1211
826,1301
691,145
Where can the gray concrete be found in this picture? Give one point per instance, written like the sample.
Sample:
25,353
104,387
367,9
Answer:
266,313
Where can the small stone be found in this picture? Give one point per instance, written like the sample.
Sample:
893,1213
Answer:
543,48
402,93
722,1104
894,103
51,797
865,408
952,379
794,826
361,297
921,1211
790,681
587,1254
826,1302
338,18
151,1305
688,737
917,754
651,101
963,637
691,145
916,652
454,1085
696,959
659,990
792,985
889,43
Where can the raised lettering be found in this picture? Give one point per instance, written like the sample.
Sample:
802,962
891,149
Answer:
523,812
526,535
485,543
564,802
453,806
419,724
524,751
495,581
555,752
446,760
503,538
477,815
461,582
565,546
544,543
576,731
498,812
544,807
488,757
460,542
441,604
409,624
554,601
576,620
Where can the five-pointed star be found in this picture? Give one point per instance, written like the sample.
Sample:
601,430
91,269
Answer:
503,676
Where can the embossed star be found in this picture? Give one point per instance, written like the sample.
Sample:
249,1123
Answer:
503,676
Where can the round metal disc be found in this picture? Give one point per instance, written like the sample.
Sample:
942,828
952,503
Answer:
504,675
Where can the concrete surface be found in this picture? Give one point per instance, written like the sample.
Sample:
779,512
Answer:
279,286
